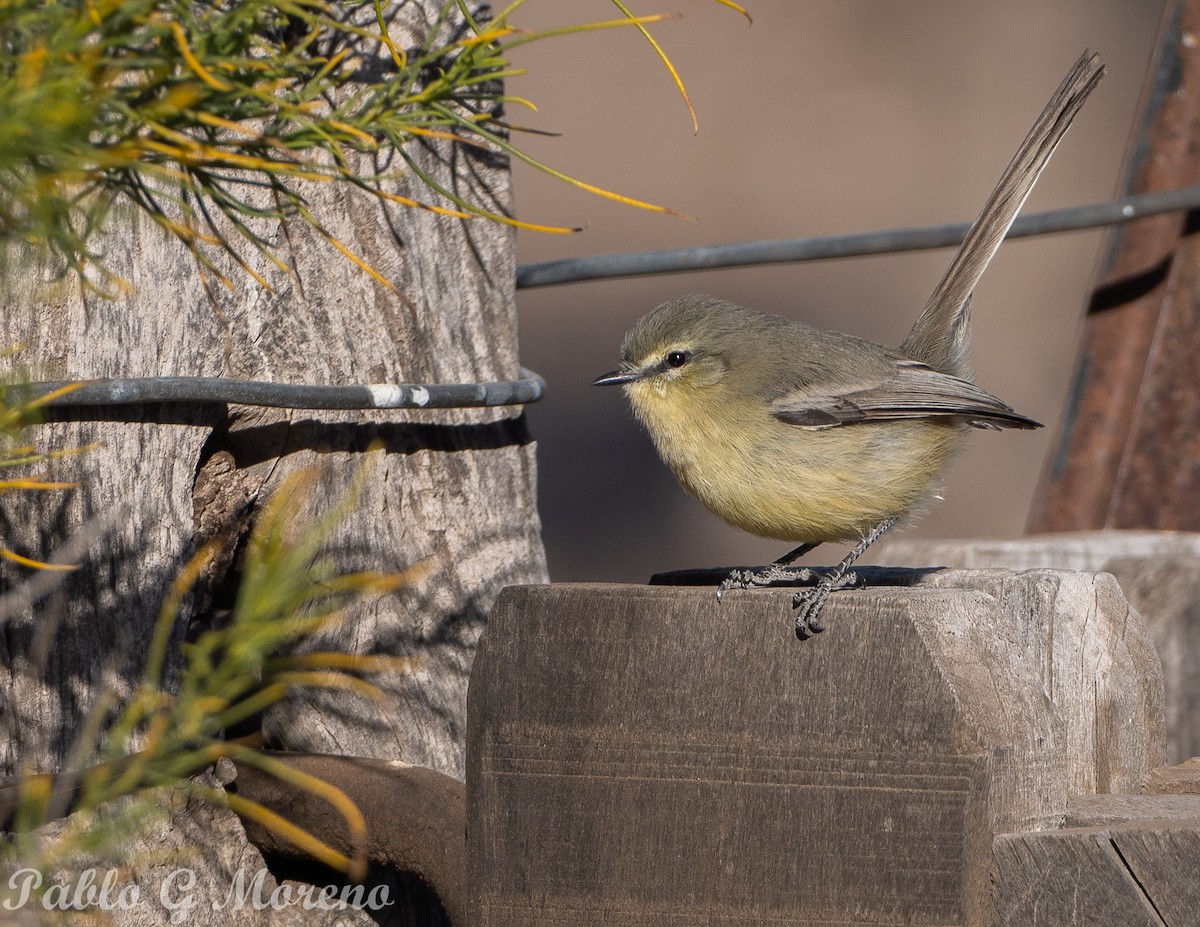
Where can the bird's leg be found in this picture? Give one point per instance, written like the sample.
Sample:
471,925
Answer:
809,601
777,572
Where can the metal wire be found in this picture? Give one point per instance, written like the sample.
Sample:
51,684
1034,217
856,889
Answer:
146,390
741,254
530,387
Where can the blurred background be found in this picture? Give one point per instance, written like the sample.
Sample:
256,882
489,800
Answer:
820,118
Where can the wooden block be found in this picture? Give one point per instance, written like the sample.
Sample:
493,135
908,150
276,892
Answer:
1089,551
647,755
1159,572
1141,866
1183,779
1097,661
1103,810
1165,861
1166,591
1068,878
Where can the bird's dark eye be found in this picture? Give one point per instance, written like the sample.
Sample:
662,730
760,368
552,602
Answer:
677,359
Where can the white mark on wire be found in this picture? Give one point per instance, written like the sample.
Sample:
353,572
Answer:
386,395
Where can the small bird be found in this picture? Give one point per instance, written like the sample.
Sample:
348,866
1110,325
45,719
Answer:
808,436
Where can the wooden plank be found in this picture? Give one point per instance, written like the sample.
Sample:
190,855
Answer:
1097,662
1068,878
1183,779
647,755
1105,810
1165,860
1068,550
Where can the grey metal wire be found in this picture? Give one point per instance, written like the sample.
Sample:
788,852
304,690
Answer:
530,387
741,254
145,390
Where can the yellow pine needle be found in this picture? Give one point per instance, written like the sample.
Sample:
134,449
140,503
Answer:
218,123
331,63
297,836
37,564
417,204
184,580
55,394
73,451
737,8
665,60
521,101
171,173
375,582
587,188
6,485
353,258
356,824
351,130
631,20
488,35
194,63
257,277
187,150
186,232
359,663
332,680
183,96
448,136
211,705
33,63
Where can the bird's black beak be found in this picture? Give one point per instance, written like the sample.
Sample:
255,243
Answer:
618,376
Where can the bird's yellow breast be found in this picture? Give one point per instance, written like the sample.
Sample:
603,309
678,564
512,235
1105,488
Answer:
786,482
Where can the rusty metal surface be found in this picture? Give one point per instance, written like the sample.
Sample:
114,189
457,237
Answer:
1128,451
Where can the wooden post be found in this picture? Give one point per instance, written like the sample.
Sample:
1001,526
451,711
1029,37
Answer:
1158,571
647,755
1128,451
454,490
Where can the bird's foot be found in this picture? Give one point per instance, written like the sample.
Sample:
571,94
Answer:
775,573
809,602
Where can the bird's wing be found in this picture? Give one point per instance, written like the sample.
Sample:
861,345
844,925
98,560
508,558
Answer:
908,390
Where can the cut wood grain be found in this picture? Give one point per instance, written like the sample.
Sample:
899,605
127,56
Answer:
1159,572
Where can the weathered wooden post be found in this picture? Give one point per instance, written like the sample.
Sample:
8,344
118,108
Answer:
648,755
453,490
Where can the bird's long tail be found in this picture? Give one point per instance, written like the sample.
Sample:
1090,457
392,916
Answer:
941,336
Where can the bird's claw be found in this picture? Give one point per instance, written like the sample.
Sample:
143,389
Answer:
808,605
809,602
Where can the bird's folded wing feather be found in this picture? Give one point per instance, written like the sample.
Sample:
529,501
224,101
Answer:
909,390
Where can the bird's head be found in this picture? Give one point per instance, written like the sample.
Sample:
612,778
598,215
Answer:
682,347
